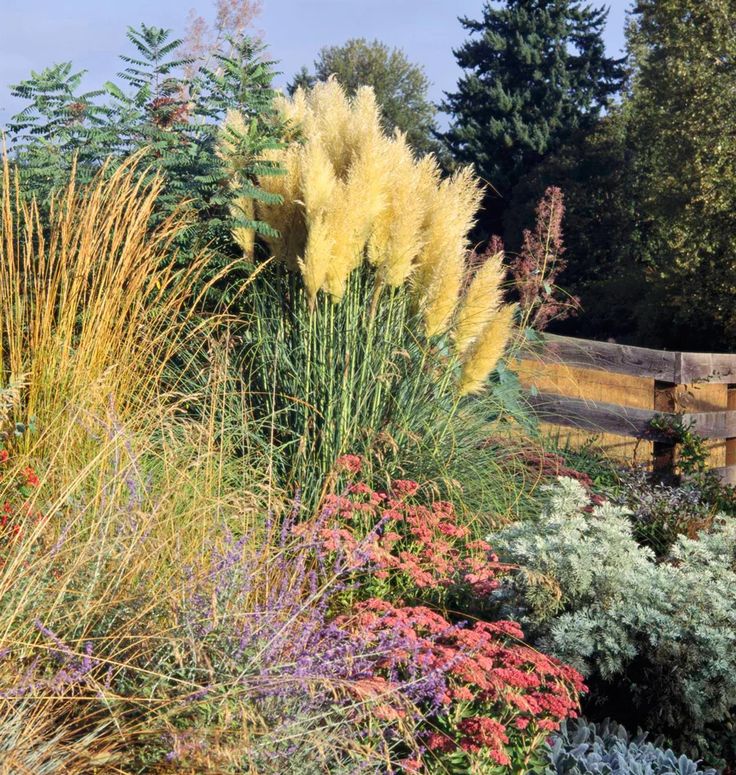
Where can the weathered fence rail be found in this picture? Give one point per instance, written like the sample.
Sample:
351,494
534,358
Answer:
615,392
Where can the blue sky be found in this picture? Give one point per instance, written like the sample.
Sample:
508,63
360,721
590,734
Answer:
90,33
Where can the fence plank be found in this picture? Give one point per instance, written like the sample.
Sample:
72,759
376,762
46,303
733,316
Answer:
605,356
675,367
727,474
712,367
596,416
626,420
713,425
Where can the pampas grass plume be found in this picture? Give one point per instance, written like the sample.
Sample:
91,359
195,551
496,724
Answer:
318,180
329,115
318,257
451,213
487,350
397,239
368,199
480,304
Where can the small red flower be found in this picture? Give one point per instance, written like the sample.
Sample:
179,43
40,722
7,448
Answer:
31,478
350,463
404,487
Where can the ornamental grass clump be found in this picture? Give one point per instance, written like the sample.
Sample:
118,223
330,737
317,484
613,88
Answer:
93,305
363,325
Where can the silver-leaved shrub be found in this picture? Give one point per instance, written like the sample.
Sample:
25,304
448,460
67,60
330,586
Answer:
580,748
660,632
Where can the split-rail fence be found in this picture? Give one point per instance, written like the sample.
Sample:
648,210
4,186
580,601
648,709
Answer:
609,394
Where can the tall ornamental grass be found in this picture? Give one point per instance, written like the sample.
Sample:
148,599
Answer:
368,316
143,589
151,620
92,305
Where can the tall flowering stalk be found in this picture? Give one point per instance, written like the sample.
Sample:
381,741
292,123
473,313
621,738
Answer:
362,326
541,260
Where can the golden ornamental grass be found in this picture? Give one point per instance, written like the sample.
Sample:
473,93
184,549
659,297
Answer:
92,303
354,197
485,353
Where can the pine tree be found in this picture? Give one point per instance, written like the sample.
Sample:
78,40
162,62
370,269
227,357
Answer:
535,72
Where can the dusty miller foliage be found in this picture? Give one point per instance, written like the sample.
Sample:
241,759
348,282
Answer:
608,749
661,631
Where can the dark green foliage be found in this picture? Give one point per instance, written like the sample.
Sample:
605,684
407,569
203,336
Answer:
680,123
154,109
594,171
535,74
651,221
401,87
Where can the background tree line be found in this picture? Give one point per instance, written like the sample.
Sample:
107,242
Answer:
643,148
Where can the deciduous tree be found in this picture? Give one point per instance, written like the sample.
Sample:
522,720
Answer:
681,127
401,87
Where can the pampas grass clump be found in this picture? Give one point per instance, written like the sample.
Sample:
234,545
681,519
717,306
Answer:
351,195
362,327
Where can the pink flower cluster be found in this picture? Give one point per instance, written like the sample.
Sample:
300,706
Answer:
496,696
16,512
393,535
488,696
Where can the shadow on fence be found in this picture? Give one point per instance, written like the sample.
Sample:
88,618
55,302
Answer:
614,392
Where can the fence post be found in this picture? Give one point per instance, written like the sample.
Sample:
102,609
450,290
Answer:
731,442
663,459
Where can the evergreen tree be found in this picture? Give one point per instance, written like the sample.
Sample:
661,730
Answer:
401,87
535,73
604,270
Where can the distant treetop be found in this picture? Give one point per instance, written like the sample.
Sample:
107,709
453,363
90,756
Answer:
401,87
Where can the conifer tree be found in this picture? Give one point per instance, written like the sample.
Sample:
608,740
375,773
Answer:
535,72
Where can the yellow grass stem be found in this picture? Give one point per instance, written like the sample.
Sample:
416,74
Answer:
92,303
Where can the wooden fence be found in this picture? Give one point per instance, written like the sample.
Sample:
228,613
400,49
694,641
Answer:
612,393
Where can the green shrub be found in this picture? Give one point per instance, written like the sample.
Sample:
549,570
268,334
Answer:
661,512
171,109
656,635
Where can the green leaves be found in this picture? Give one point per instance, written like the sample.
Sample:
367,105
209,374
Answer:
400,86
680,124
534,73
154,105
